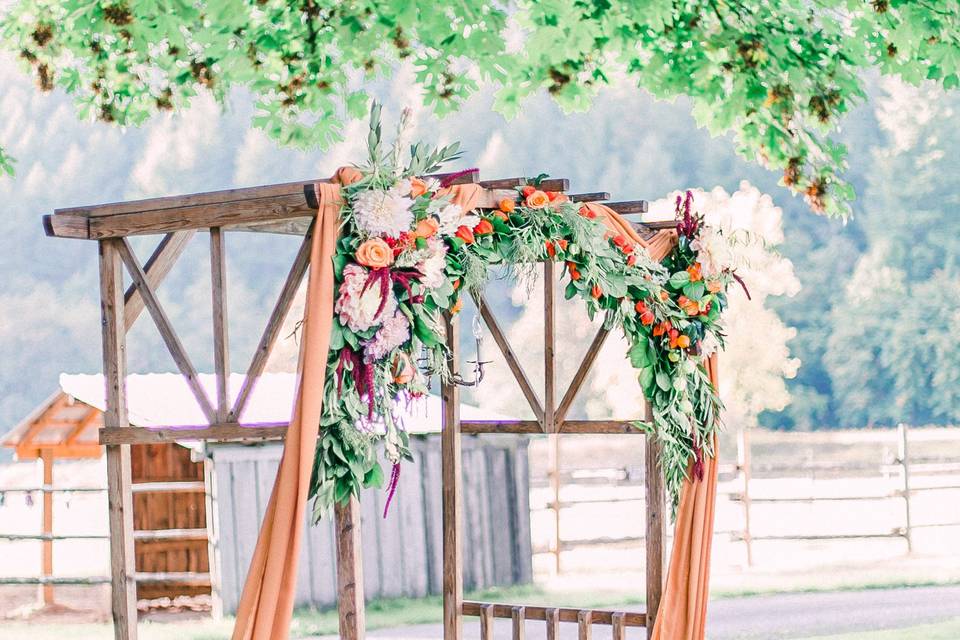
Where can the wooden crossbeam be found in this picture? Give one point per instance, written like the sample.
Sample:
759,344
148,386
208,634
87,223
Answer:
568,427
597,196
581,375
563,614
157,266
212,433
170,337
512,361
274,323
92,415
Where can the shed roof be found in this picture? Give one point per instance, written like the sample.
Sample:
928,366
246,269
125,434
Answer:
68,420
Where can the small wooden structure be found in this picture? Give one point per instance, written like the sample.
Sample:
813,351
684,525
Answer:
168,496
290,208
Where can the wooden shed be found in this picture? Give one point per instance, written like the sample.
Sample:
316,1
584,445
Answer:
193,502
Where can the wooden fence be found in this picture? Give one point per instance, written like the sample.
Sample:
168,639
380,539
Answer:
906,468
401,553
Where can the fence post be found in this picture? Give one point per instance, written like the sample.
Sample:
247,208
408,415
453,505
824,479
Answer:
903,457
743,464
46,590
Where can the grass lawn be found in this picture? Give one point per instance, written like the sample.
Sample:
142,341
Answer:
949,630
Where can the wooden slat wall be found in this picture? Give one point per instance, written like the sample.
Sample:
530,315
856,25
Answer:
401,554
166,510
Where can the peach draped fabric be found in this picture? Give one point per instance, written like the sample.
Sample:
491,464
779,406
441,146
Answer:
683,607
266,605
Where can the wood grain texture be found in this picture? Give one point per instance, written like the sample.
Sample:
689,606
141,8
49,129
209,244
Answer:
581,375
157,266
618,622
221,338
46,547
349,570
486,622
510,356
563,614
584,628
274,324
213,433
451,490
164,326
518,616
123,598
552,618
596,196
67,225
549,347
656,523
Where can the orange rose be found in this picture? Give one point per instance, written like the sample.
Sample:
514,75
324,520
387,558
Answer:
402,368
374,253
417,187
426,228
500,215
560,198
691,307
537,200
507,205
714,286
465,234
683,341
483,227
527,190
694,271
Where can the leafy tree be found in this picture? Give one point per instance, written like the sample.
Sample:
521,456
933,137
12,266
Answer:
778,75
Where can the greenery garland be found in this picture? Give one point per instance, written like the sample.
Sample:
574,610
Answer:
405,256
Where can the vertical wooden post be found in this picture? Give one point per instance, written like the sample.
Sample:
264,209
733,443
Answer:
549,328
451,493
350,603
904,456
119,495
656,515
46,552
743,464
213,536
221,349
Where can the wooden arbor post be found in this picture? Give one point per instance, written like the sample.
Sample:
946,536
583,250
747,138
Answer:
46,553
550,419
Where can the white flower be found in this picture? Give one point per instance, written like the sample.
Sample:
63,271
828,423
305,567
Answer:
434,264
392,333
383,213
402,188
714,252
358,308
451,218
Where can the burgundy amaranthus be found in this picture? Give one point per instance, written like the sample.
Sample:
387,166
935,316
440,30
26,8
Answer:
688,224
392,486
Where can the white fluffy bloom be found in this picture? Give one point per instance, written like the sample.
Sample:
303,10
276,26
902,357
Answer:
392,333
714,252
402,188
433,265
383,213
451,218
358,308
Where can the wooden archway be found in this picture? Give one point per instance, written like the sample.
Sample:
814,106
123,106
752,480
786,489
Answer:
289,208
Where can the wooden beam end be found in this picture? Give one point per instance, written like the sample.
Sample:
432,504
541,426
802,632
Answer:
310,193
66,225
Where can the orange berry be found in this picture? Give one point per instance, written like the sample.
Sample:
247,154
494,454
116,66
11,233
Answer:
683,341
596,292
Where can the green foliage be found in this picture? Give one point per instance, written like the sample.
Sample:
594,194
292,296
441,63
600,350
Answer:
777,75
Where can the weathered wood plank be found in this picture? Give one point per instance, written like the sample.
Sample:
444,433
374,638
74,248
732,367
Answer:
274,323
549,346
581,375
518,616
157,266
119,498
486,622
67,225
46,547
619,631
628,207
221,339
212,520
452,494
500,426
213,433
552,617
170,337
584,628
597,196
532,427
349,570
511,357
564,614
656,522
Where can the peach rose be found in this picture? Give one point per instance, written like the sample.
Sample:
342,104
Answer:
417,187
426,228
538,200
402,368
374,253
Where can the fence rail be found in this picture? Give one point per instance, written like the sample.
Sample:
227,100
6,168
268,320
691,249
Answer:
905,466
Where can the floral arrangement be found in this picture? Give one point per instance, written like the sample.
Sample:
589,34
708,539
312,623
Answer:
406,254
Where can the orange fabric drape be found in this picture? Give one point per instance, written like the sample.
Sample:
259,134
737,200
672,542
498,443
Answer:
266,605
683,607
